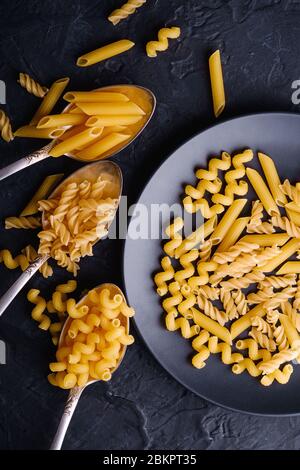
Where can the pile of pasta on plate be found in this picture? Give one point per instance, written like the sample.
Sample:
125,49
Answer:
232,286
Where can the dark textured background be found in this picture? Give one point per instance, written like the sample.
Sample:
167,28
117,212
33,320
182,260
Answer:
142,408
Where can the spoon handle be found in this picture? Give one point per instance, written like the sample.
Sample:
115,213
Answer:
70,407
13,291
25,162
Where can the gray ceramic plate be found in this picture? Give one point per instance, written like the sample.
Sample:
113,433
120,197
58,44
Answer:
277,134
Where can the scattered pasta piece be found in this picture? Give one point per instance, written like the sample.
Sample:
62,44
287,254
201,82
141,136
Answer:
105,52
22,222
217,83
32,86
162,44
5,127
125,10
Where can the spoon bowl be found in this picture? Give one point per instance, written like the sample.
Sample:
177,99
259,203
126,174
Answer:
143,97
76,392
113,289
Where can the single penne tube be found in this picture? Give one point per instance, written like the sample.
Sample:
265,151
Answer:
217,83
76,141
100,147
286,251
228,219
196,237
95,97
293,216
272,178
42,193
293,206
60,120
111,109
233,234
291,267
244,322
211,326
271,239
105,52
262,192
290,331
107,121
110,129
50,99
33,132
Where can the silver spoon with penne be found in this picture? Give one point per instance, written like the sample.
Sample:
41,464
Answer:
76,390
110,176
95,125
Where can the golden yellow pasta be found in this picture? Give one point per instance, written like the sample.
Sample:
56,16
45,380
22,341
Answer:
83,138
50,99
105,52
152,47
5,127
217,83
218,261
97,96
100,147
43,191
32,86
34,132
125,10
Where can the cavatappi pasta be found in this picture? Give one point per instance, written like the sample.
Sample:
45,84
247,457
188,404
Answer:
95,340
152,47
237,273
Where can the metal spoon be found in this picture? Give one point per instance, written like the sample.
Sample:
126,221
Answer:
39,155
90,172
76,392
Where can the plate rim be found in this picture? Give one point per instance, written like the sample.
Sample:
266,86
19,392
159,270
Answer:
123,250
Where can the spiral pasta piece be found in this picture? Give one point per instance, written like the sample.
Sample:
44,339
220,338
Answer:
198,360
281,377
182,324
234,251
214,165
47,204
38,311
246,364
22,222
266,254
232,189
254,353
152,47
278,282
267,367
228,304
239,167
5,127
273,317
227,356
263,340
203,268
66,198
241,265
200,340
211,311
32,86
292,313
287,225
240,301
31,254
175,298
290,191
262,326
212,293
198,192
280,297
280,338
243,282
186,262
262,228
256,214
166,275
203,206
127,9
205,250
260,295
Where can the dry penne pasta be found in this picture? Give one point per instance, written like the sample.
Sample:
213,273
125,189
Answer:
94,97
104,52
217,83
50,99
111,109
